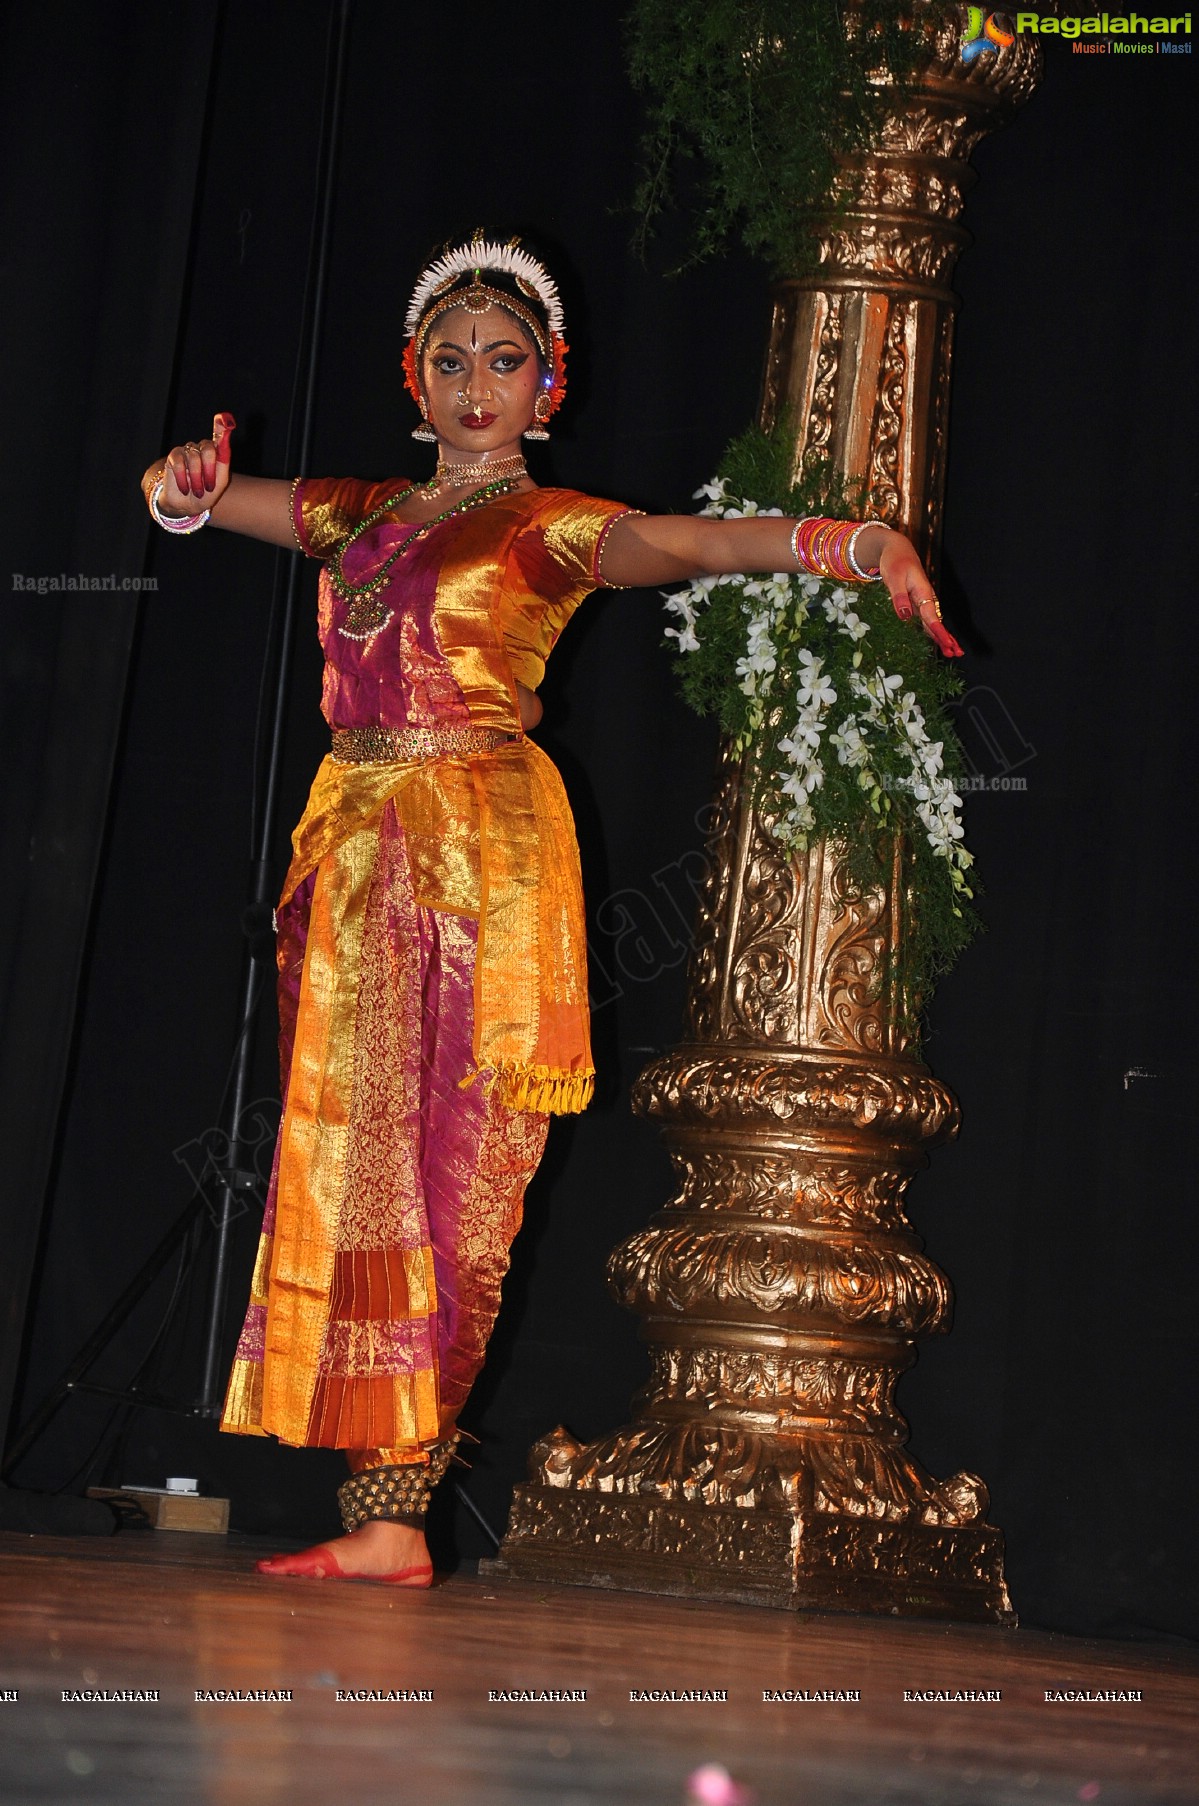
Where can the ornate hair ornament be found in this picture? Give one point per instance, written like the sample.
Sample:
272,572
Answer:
518,283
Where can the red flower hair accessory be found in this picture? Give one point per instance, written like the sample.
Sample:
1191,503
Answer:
411,380
556,388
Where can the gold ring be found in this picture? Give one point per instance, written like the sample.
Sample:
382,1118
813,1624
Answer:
931,602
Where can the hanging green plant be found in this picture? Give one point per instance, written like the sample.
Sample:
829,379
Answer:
768,96
839,705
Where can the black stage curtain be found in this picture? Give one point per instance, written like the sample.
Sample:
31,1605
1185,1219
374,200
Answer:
102,152
1063,1210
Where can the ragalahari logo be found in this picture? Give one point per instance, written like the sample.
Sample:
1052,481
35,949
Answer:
983,33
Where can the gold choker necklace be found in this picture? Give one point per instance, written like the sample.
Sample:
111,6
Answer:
490,470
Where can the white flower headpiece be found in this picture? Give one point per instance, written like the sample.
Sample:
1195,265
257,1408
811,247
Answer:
479,253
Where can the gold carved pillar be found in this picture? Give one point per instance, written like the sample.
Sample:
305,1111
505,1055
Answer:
782,1288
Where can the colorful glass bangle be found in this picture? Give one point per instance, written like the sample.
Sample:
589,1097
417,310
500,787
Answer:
816,542
825,547
186,523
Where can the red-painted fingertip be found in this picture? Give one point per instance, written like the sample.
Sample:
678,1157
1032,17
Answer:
222,426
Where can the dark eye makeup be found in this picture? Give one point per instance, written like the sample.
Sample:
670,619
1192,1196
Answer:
504,363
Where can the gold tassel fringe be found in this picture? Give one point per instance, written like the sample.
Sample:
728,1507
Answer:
540,1088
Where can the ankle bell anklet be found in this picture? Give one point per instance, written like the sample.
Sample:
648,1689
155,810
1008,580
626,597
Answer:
397,1494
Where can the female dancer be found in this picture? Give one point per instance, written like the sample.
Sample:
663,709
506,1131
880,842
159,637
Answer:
431,941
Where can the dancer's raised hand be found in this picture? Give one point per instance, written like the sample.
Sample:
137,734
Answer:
194,475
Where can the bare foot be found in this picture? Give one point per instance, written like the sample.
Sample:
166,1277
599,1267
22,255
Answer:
378,1550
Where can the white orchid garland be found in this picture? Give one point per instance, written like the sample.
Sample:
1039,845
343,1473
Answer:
869,725
840,707
816,701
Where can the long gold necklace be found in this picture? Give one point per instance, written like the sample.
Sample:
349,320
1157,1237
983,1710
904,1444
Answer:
365,616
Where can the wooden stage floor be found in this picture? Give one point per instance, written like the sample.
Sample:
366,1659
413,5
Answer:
181,1614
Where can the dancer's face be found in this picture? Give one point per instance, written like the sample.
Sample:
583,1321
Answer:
481,376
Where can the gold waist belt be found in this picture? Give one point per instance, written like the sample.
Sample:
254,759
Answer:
388,745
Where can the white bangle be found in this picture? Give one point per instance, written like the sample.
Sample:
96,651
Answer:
799,563
851,548
186,523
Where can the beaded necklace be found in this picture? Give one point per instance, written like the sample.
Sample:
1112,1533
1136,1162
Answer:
455,475
364,617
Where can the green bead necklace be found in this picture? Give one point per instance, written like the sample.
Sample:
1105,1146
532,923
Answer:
364,617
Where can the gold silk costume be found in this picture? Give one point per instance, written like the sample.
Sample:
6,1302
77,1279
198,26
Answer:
433,986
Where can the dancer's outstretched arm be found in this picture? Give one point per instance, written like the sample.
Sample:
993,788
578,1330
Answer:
650,549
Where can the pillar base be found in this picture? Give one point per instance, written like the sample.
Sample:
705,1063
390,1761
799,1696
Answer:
755,1556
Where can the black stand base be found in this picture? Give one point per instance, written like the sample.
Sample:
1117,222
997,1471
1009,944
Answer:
54,1514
